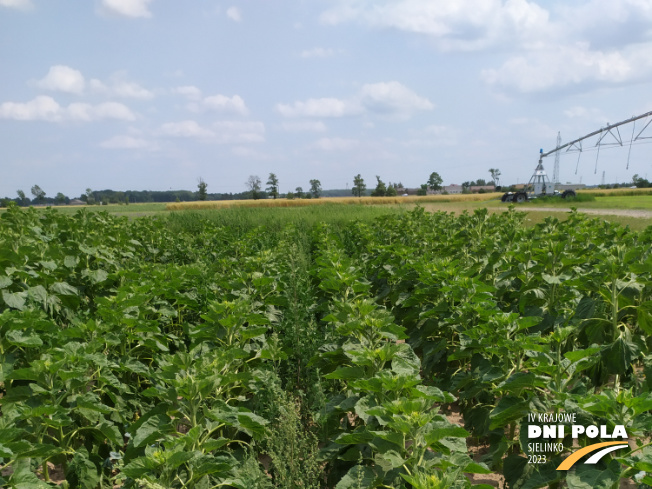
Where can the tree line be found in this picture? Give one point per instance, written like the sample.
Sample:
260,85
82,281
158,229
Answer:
434,183
108,196
255,189
392,189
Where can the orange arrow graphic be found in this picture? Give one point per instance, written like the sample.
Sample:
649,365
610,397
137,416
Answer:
575,456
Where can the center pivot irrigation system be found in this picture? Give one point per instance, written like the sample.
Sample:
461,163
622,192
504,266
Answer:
540,185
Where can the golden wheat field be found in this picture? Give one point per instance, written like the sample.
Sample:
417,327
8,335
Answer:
605,192
220,204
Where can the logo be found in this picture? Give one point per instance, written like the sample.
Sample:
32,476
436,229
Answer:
553,427
575,456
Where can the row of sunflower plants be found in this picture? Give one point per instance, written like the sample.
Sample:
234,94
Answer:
131,355
384,423
516,320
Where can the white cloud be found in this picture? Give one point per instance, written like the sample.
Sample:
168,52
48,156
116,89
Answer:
127,8
608,23
234,14
131,90
386,98
39,109
61,78
43,108
304,126
571,67
17,4
335,144
319,107
224,104
392,98
546,46
317,53
113,110
222,132
189,91
186,129
458,25
127,142
118,86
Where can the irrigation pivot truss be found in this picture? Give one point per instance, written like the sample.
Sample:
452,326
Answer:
610,129
540,185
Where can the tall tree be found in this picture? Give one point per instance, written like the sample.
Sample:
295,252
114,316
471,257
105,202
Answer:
381,188
253,183
60,198
299,192
435,181
201,192
23,198
315,188
88,196
272,183
423,190
38,193
495,176
359,186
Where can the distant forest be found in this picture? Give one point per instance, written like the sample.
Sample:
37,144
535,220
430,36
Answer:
139,196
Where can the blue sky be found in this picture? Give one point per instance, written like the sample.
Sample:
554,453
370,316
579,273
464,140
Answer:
154,94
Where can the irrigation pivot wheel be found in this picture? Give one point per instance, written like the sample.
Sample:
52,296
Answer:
520,197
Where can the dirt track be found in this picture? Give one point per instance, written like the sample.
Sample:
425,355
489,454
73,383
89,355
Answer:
643,214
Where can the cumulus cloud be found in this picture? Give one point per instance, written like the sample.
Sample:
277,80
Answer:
127,142
567,46
224,104
608,24
61,78
45,108
106,110
319,107
391,99
317,53
120,88
234,14
221,132
186,129
17,4
459,25
574,66
39,109
127,8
